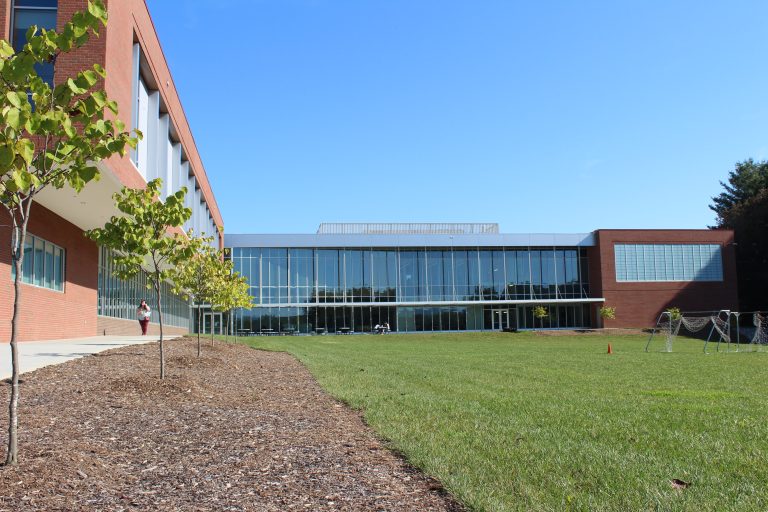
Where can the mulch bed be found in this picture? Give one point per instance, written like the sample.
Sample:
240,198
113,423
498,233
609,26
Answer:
238,429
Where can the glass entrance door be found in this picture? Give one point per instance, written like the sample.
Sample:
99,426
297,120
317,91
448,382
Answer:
213,321
504,319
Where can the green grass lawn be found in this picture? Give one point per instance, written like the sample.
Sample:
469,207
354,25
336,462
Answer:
525,422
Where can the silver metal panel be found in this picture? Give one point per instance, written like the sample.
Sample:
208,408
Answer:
483,240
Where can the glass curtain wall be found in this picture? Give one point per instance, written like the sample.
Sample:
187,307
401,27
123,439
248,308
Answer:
323,277
119,299
299,276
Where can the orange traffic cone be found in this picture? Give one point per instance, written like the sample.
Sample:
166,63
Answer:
610,349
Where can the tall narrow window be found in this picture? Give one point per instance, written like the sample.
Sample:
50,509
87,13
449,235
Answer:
41,13
43,264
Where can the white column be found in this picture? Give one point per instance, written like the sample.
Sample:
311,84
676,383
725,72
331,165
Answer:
189,200
162,153
142,157
135,103
174,161
151,136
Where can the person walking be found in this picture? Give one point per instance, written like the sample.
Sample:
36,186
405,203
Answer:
143,312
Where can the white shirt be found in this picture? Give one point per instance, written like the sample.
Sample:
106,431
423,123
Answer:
144,314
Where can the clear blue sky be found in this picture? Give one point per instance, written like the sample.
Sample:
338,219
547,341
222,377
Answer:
542,116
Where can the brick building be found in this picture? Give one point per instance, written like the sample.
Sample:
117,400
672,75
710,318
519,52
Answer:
455,277
69,289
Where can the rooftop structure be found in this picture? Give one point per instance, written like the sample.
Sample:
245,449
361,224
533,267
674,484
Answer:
406,228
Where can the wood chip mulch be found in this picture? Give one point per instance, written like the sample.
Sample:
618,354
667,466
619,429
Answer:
238,429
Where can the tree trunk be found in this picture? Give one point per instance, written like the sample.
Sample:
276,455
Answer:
199,328
160,322
12,457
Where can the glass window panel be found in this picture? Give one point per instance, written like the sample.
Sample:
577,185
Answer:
435,274
486,274
510,265
25,18
473,274
536,274
523,286
39,268
499,284
461,275
668,262
37,3
50,270
28,264
448,275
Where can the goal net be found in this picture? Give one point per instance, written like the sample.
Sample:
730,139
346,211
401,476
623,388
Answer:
757,333
696,325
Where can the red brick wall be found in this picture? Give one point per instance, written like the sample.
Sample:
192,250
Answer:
48,314
638,304
129,22
5,19
120,327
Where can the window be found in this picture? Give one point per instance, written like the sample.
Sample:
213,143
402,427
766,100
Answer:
668,262
43,264
34,12
119,299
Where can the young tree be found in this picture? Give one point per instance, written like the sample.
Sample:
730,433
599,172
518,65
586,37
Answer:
607,313
232,290
541,313
195,278
52,136
142,241
674,314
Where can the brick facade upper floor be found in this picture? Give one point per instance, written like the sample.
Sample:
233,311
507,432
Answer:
139,80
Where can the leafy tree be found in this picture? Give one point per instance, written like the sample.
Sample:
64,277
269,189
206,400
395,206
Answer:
674,314
541,313
743,207
607,313
232,290
746,181
196,277
142,241
51,136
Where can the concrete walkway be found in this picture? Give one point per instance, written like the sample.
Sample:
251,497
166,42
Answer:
36,354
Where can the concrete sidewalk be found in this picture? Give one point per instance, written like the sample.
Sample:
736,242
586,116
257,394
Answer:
36,354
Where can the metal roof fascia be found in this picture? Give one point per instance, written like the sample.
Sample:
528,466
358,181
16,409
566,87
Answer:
479,240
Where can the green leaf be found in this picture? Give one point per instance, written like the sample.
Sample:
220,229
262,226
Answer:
21,179
90,77
7,155
89,173
26,149
96,8
6,50
13,98
13,118
75,88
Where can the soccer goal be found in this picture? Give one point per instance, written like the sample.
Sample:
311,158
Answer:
669,325
757,333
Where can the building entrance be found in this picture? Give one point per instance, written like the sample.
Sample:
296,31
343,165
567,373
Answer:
503,318
213,321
